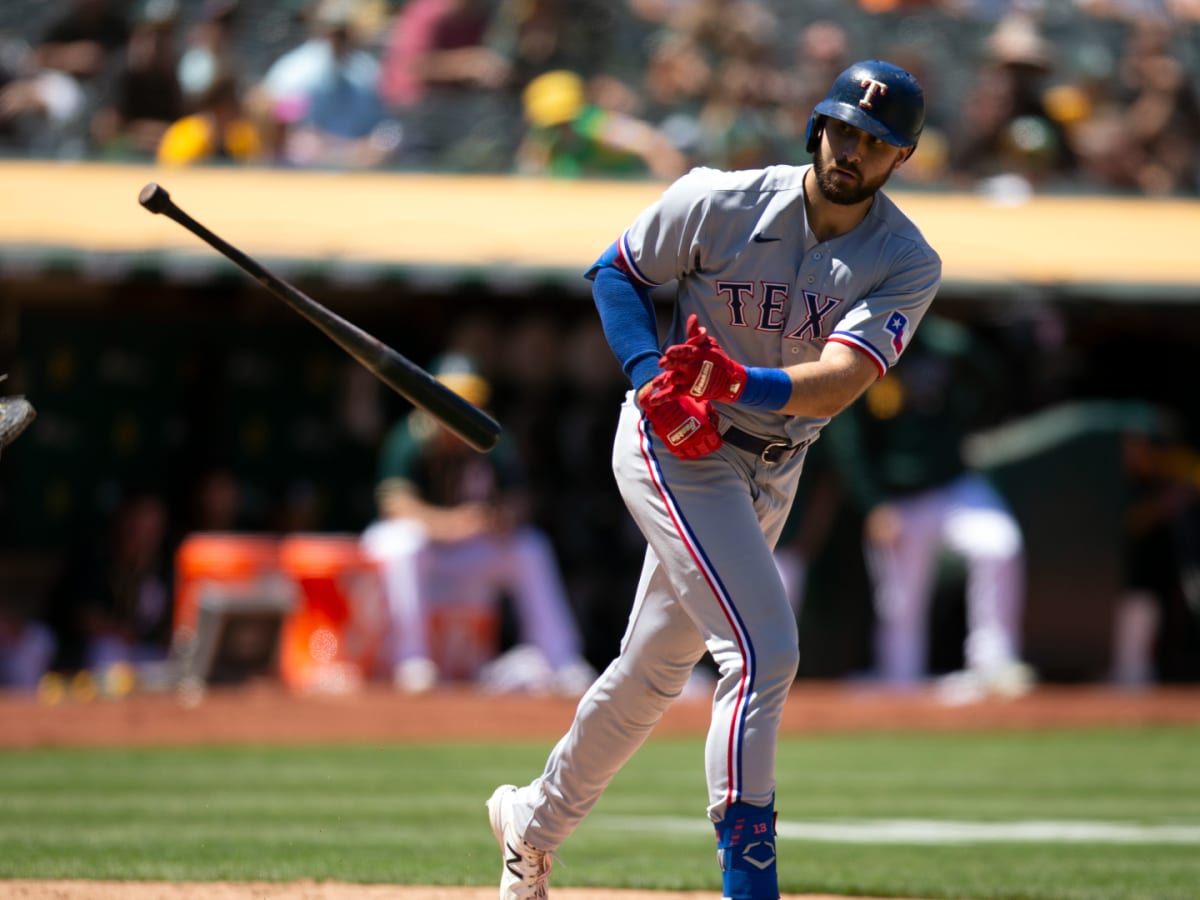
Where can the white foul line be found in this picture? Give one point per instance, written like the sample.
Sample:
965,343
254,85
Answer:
939,831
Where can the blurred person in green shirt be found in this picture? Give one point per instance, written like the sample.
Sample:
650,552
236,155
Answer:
569,136
454,528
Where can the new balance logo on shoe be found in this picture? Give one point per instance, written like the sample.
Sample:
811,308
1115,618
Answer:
513,863
526,869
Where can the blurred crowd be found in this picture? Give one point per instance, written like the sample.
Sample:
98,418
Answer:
1024,95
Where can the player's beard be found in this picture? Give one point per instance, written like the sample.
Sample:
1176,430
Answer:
838,191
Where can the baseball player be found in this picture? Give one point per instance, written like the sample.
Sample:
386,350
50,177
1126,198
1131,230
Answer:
796,288
899,453
26,647
454,528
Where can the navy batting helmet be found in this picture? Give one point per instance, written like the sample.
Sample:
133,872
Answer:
877,97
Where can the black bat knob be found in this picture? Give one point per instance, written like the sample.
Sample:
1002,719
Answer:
154,198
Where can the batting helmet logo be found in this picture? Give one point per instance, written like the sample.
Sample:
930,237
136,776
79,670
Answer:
877,97
871,87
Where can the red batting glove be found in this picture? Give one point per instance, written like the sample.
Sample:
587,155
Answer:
686,425
701,368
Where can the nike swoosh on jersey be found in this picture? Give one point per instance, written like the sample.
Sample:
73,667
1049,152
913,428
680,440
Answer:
760,238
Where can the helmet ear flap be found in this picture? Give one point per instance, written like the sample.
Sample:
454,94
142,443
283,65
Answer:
816,125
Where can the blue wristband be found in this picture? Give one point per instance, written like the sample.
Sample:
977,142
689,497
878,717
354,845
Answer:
766,388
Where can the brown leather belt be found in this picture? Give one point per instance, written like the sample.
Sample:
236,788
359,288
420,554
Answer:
770,452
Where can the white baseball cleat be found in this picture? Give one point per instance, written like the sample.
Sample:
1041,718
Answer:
1007,680
526,869
415,676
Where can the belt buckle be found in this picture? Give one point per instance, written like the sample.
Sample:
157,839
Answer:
773,452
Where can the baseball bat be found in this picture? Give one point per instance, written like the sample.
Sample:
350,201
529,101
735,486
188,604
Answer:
399,373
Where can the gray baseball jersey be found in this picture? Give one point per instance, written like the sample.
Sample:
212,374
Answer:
751,269
748,265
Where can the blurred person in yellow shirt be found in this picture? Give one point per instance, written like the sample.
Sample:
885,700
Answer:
218,131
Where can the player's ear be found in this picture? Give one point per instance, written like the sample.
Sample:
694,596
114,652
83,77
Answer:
904,156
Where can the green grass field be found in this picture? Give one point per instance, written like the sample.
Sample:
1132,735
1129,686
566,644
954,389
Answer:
1094,815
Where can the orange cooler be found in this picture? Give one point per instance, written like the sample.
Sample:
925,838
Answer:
334,634
234,562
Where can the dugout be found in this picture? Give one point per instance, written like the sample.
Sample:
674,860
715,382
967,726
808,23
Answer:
149,356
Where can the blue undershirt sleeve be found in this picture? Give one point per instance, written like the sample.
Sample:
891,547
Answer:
627,316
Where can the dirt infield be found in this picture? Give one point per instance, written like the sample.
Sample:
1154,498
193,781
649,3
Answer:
265,714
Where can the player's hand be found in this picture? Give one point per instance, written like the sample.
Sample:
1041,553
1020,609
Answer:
686,425
701,368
